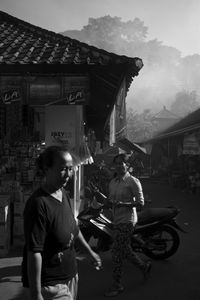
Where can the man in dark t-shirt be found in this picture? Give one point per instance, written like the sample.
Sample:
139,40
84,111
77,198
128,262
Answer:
50,228
49,265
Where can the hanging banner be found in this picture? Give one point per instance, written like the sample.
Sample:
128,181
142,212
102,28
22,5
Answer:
120,115
191,144
112,127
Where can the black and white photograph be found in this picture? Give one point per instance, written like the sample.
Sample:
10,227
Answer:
99,149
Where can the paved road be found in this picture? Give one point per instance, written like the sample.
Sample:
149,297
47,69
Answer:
174,279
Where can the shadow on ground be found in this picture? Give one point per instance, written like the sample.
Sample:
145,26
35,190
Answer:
10,278
8,274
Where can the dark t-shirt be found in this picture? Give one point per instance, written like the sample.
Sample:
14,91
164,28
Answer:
50,228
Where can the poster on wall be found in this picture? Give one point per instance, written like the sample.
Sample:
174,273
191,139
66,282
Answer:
60,126
191,144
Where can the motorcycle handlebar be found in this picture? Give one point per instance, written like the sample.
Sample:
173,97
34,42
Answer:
104,200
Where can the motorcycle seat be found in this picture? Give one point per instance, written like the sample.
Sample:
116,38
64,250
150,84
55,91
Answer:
150,215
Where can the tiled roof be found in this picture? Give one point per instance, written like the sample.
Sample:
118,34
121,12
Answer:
23,43
189,123
165,114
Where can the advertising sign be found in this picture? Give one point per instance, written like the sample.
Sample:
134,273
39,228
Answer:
76,97
10,96
60,126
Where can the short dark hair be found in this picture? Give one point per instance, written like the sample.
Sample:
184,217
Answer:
122,156
47,157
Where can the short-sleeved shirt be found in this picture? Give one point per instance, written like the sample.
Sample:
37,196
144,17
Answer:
50,228
125,189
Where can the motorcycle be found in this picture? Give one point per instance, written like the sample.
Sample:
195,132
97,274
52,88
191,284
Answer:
155,235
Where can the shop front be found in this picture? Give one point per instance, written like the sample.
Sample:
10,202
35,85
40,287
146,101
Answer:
176,153
53,90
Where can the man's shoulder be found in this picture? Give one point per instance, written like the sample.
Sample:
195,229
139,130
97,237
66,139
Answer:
133,179
37,194
36,200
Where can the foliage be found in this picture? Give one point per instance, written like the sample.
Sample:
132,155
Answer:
113,35
163,77
139,126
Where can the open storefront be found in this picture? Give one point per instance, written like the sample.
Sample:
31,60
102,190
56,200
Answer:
52,90
175,153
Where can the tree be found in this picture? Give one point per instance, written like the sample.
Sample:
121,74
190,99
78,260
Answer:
112,34
185,102
164,72
139,126
189,72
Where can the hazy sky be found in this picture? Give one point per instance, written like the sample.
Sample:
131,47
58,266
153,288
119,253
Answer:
175,22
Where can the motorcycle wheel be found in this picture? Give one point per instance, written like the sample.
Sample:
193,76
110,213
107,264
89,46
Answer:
161,243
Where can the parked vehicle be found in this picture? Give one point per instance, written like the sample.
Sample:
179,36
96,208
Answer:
156,233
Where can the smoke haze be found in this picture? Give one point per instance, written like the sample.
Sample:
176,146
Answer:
165,72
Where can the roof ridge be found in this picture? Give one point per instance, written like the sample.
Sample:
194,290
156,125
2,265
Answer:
29,26
59,37
169,112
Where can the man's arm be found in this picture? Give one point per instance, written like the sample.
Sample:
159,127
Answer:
34,265
138,193
86,247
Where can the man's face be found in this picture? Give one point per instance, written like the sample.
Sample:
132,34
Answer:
120,166
61,171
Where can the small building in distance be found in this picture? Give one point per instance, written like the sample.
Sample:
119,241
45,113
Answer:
164,119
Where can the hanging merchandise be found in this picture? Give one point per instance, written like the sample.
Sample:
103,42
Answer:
17,181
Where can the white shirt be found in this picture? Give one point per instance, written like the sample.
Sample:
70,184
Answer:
125,189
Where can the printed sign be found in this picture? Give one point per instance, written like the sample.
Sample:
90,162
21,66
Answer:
60,125
10,96
61,137
76,97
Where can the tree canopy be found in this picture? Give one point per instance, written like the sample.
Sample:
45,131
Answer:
166,79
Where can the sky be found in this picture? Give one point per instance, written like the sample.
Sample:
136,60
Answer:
174,22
